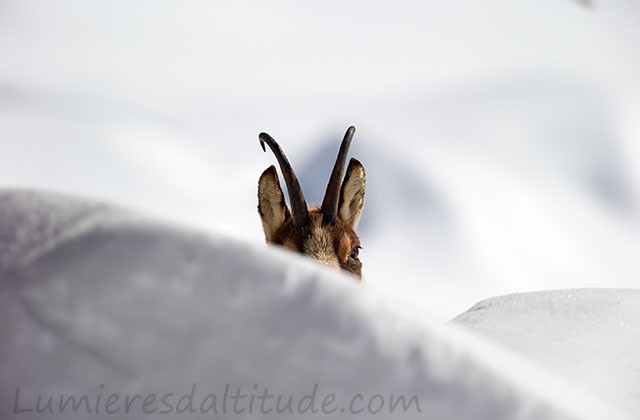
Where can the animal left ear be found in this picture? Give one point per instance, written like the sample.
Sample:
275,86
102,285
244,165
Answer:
271,205
352,193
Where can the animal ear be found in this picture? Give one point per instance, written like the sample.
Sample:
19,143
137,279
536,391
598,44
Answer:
352,193
271,205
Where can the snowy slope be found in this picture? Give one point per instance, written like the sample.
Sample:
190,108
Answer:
96,301
588,336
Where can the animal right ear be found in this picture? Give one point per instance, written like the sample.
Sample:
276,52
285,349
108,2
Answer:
352,193
271,205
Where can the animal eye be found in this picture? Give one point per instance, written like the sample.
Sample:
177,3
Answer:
355,252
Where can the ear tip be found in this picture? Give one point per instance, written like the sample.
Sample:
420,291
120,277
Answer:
353,162
270,171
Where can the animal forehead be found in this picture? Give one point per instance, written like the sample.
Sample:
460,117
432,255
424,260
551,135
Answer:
336,234
316,235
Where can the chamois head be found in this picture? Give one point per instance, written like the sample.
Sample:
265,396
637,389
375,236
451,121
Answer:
325,234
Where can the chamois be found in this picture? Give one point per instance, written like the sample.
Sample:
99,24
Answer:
326,233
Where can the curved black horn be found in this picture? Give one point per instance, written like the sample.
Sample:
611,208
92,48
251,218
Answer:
296,197
332,194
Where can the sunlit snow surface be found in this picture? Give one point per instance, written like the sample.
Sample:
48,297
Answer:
95,300
589,336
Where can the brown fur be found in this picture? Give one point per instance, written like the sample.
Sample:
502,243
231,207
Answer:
342,241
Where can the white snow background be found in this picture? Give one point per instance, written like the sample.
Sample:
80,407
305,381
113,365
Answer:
501,139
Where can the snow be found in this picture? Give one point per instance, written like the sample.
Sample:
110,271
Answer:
116,303
501,146
588,336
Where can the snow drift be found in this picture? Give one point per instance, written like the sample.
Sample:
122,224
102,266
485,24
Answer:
589,336
98,302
